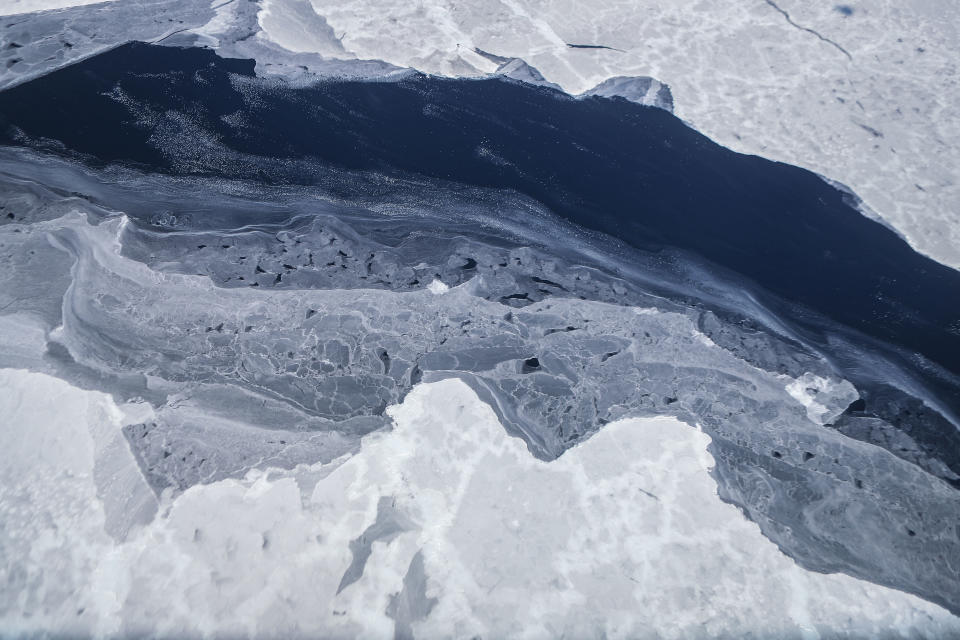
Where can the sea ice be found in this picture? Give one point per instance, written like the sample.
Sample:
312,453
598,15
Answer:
623,536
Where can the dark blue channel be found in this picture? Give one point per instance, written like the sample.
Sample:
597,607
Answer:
634,172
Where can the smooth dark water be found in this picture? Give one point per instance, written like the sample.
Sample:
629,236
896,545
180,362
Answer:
635,172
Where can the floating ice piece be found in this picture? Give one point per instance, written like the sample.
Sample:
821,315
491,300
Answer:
437,287
824,399
641,89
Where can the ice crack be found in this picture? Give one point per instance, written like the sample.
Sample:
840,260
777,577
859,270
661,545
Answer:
807,29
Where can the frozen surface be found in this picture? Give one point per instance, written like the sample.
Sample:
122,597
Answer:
623,536
8,7
275,335
276,389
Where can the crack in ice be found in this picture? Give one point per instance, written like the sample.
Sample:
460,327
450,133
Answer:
807,29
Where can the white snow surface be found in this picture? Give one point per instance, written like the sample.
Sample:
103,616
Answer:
623,536
870,99
12,7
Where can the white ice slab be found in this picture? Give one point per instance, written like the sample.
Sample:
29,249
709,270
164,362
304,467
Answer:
624,535
11,7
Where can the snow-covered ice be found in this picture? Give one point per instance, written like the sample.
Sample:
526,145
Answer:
11,7
623,536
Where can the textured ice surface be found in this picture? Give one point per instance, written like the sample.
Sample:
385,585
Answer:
293,372
255,269
8,7
623,536
609,165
